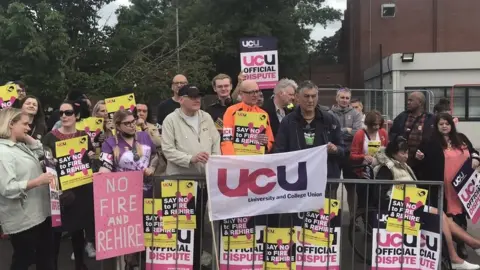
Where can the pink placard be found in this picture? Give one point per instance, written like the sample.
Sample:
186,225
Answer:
266,85
118,199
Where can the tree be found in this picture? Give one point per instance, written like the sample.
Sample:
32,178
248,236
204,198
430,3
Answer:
142,49
56,45
33,46
327,51
52,45
288,20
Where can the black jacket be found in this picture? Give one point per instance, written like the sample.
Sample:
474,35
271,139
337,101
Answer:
398,129
433,165
269,108
398,126
217,110
290,136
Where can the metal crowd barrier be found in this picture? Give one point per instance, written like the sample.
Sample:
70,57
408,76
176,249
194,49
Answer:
355,239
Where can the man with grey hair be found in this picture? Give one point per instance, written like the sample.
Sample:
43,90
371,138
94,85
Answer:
280,104
309,126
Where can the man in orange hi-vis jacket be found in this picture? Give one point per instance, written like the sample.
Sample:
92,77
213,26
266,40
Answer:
249,92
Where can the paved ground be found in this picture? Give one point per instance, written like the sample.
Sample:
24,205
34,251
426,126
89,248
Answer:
346,255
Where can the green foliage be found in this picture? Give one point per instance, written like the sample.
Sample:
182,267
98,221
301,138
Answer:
327,50
57,45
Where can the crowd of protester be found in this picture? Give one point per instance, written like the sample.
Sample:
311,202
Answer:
419,145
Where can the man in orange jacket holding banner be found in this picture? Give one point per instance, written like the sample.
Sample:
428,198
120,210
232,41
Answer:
246,127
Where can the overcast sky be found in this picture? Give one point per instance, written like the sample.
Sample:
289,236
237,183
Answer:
107,14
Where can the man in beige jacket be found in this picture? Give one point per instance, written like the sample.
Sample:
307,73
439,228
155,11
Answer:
189,137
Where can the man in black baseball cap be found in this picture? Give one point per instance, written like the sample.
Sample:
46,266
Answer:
190,91
189,138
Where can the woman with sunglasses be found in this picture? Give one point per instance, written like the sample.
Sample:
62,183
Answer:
129,150
76,204
100,111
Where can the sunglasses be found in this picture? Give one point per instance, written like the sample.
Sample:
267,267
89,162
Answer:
67,113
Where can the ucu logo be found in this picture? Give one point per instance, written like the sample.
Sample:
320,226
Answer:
395,240
429,241
251,43
459,179
248,181
259,60
469,190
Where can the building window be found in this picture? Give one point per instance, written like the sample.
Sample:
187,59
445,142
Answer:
474,102
459,102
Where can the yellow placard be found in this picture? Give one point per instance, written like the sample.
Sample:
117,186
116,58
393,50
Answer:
238,233
414,199
247,126
317,229
179,201
73,163
114,104
8,95
93,126
373,147
280,248
154,233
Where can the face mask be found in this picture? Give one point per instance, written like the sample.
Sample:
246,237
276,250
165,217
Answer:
127,135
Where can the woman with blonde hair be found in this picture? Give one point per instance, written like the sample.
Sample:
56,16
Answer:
24,194
100,111
129,150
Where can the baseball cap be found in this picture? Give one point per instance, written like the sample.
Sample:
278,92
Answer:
190,91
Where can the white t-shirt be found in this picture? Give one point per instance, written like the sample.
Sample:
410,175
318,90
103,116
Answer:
193,121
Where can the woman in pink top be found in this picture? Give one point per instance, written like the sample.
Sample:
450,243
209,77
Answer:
443,155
